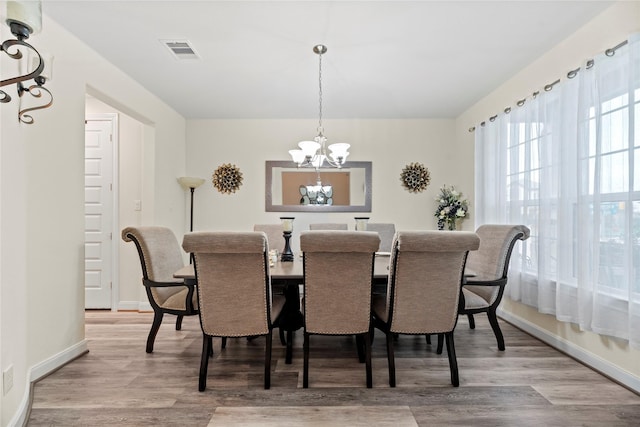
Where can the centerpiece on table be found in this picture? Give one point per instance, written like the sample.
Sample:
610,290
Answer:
451,208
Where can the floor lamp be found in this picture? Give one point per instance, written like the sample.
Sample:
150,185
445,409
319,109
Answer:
191,183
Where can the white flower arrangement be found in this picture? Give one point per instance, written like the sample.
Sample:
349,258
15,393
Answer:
451,207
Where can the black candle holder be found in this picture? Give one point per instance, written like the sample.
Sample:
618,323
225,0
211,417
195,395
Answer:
287,255
287,225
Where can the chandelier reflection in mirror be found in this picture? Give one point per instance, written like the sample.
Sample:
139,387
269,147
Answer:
25,18
314,153
316,194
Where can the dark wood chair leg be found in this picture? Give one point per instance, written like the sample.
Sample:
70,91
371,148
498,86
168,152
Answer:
360,348
305,369
283,341
179,322
157,321
367,356
267,362
224,342
391,360
289,350
493,321
204,362
440,343
453,363
472,322
428,336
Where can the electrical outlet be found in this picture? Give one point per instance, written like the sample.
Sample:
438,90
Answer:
137,205
7,379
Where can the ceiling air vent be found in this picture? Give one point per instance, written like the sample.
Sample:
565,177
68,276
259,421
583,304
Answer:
181,49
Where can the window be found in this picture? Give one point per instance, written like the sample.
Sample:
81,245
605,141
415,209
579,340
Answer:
567,165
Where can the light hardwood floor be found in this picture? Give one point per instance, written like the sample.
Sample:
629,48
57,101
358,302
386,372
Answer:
117,383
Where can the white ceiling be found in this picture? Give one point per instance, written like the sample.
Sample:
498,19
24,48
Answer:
385,59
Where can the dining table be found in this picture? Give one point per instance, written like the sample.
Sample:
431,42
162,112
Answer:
287,277
289,272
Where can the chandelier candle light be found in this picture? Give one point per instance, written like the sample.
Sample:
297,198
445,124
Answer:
361,223
314,153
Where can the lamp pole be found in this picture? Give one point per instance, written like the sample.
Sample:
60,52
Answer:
190,183
191,220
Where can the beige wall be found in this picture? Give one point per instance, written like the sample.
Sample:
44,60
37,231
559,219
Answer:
41,205
389,144
605,31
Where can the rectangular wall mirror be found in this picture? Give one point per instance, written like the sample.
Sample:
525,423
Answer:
292,189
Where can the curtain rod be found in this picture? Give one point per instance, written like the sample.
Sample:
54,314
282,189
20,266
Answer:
571,74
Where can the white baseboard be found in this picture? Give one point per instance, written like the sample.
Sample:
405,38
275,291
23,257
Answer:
593,361
41,370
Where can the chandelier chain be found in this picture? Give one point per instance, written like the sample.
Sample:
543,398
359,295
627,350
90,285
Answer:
320,130
315,153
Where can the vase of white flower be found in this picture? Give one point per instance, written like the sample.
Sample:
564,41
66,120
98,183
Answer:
451,208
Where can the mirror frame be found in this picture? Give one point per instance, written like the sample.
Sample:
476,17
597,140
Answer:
270,207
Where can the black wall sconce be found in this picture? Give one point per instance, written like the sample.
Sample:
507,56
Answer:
25,18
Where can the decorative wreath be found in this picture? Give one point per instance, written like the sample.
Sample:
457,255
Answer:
227,178
415,177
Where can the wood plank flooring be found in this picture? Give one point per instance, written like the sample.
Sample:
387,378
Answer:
118,384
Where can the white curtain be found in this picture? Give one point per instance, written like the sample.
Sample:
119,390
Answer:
563,163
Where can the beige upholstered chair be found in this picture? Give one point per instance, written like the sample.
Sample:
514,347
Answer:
274,235
234,291
423,290
160,257
386,233
490,266
338,273
328,226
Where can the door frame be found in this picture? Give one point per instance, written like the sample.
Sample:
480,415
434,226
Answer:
115,206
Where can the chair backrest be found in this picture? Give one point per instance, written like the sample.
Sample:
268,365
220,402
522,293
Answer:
274,235
425,279
160,257
338,272
491,260
386,233
328,226
233,281
159,250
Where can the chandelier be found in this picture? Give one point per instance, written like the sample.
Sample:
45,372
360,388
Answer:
314,153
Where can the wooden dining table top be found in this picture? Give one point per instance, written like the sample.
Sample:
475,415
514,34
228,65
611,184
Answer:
294,270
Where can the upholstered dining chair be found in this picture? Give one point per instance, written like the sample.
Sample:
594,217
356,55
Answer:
234,290
423,289
274,235
489,266
338,274
386,231
160,257
328,226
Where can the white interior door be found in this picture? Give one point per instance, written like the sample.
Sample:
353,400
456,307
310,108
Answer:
98,209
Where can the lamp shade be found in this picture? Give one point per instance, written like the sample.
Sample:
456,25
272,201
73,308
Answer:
188,182
310,148
27,13
297,156
339,151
